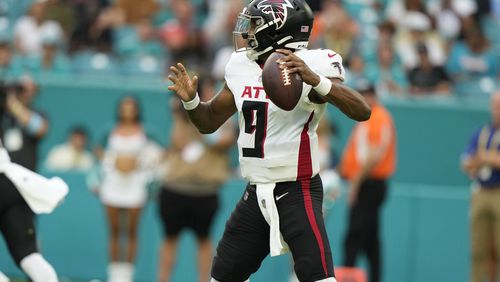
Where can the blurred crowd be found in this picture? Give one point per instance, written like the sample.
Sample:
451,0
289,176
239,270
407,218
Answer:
405,47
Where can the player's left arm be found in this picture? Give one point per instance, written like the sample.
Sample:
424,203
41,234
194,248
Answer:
349,101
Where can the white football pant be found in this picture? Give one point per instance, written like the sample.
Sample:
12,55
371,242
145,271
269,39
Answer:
3,278
38,269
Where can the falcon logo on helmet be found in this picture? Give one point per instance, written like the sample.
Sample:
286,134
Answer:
278,9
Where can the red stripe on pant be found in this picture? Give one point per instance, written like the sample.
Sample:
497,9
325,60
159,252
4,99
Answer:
306,192
304,174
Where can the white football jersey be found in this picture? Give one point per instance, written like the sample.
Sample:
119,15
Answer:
276,145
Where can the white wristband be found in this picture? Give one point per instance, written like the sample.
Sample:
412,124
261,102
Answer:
191,105
324,86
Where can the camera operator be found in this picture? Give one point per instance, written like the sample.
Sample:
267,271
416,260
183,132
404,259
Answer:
21,127
20,130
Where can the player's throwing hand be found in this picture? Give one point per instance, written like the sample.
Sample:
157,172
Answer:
183,86
297,65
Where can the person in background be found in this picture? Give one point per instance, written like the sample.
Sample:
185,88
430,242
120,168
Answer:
218,26
71,155
135,12
29,30
336,29
451,16
82,35
428,78
417,29
182,36
189,195
481,161
52,60
472,62
127,157
5,56
368,162
22,127
355,69
386,32
387,72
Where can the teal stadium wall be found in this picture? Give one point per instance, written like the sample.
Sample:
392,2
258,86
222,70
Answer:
425,234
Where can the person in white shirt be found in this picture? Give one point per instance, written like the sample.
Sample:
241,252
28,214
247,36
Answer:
71,155
32,28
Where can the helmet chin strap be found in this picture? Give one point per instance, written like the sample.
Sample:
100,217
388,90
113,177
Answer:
254,55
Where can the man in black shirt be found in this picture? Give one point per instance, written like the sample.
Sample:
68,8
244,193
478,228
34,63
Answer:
427,78
21,127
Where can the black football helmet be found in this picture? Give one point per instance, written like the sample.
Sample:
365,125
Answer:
267,25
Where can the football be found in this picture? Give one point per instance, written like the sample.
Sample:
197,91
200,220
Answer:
284,89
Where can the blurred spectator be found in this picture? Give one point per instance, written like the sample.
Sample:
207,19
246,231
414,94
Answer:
387,72
416,29
121,15
189,197
32,28
137,40
127,161
355,70
141,52
427,78
71,155
338,30
22,127
368,162
182,36
20,130
221,22
100,32
386,32
224,18
62,12
82,36
5,58
482,163
487,8
136,11
471,63
398,10
451,15
52,60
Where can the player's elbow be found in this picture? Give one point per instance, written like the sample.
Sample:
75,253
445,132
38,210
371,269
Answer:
363,114
206,130
366,114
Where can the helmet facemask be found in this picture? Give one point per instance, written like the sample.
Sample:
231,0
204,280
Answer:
244,39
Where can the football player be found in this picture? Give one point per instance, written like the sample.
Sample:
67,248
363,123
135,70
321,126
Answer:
280,209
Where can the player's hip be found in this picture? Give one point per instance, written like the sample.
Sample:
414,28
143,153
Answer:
293,194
